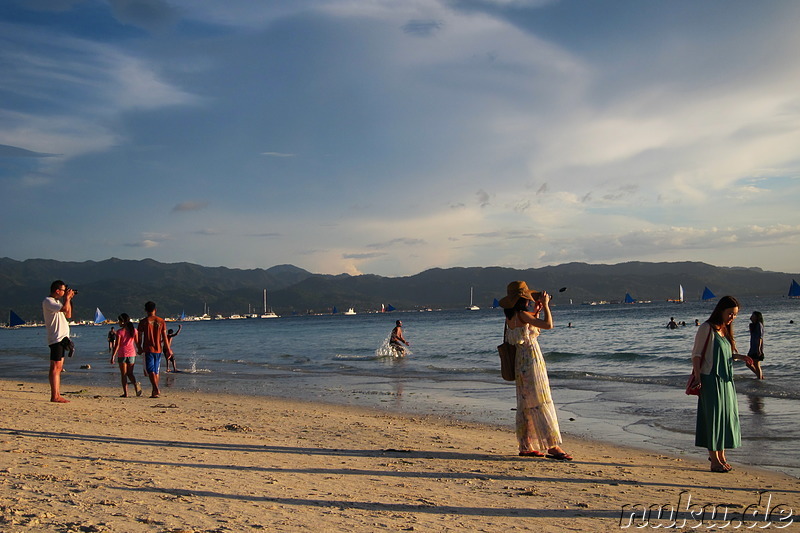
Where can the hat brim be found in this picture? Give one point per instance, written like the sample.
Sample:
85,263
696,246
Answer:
507,302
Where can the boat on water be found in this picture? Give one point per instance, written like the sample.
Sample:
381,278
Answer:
268,313
14,320
680,299
794,290
707,294
350,311
98,316
472,307
629,299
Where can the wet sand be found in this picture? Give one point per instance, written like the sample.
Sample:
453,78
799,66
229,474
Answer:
194,462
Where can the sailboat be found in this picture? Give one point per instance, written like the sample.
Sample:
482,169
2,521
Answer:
794,290
14,320
350,311
472,307
267,311
98,316
707,294
629,299
680,299
495,303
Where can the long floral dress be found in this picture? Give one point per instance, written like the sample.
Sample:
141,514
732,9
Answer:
537,423
717,411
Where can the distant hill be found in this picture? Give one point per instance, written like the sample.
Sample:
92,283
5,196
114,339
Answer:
117,285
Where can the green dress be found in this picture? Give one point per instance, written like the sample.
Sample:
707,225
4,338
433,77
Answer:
717,409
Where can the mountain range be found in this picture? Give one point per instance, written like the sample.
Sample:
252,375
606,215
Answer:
117,285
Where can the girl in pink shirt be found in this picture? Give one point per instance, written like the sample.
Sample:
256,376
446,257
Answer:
125,353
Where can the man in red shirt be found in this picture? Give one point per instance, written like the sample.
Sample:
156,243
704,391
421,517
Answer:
152,340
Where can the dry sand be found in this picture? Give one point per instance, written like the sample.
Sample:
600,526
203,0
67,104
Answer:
192,462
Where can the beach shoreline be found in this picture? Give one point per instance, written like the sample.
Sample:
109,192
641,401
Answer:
192,461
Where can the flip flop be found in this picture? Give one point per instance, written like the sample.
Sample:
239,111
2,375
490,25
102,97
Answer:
138,387
560,456
719,469
534,453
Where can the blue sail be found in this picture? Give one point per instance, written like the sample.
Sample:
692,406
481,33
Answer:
334,310
98,316
495,303
794,290
389,307
14,320
629,299
183,315
707,294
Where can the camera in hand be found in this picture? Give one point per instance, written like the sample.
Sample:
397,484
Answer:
73,290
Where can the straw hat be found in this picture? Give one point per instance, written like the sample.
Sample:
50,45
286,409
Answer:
515,291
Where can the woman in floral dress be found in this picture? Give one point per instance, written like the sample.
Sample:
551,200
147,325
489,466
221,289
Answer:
537,423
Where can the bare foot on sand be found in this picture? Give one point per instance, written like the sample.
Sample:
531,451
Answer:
60,399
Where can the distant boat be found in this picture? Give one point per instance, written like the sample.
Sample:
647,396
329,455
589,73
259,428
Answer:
472,307
98,316
679,300
267,311
389,308
794,290
707,294
350,311
183,316
334,311
495,303
629,299
14,320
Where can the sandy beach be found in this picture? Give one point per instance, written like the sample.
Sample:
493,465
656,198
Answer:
193,462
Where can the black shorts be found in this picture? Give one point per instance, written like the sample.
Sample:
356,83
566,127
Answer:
57,351
756,356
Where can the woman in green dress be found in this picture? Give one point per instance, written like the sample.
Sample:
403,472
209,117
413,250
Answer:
712,357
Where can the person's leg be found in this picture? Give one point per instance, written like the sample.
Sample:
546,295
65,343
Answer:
123,373
153,363
55,381
757,369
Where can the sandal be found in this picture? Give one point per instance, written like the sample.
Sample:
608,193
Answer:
560,456
138,387
720,469
534,453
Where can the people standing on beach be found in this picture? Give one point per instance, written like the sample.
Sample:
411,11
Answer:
56,309
713,354
756,351
672,324
537,423
170,359
396,339
152,342
124,351
112,336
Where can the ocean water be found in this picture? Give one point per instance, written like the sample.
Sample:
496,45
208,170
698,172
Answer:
617,375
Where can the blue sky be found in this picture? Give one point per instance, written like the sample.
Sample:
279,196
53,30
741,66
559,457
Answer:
392,136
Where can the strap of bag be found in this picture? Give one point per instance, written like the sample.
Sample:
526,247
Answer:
705,346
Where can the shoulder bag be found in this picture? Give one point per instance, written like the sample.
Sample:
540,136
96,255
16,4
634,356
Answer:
508,357
693,387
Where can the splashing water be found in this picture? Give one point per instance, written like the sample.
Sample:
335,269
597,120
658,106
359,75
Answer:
387,350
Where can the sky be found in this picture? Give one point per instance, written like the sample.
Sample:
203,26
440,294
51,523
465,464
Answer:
392,136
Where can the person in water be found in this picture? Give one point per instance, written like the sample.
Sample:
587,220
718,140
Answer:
396,339
756,351
171,357
537,423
